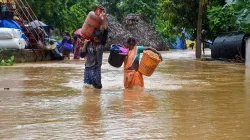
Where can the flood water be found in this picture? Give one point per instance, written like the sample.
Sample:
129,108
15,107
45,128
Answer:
184,99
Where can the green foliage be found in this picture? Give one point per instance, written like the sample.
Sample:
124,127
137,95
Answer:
66,15
58,38
183,15
164,28
169,17
221,19
9,62
112,8
180,14
234,16
242,16
69,15
146,8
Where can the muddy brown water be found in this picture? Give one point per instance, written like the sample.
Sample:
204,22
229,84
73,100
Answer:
185,99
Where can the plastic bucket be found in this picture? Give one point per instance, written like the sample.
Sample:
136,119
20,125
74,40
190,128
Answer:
116,57
149,62
68,47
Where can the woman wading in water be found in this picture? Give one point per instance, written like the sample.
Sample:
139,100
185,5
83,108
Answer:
132,77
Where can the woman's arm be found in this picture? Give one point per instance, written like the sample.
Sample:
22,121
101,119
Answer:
153,50
84,48
62,42
105,31
105,22
104,37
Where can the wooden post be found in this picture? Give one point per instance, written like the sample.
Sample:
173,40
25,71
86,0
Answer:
199,28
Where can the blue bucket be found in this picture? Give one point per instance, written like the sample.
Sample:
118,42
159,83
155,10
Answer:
68,47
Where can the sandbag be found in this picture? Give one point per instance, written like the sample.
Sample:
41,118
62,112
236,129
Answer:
50,46
23,43
12,44
50,43
10,33
13,25
10,24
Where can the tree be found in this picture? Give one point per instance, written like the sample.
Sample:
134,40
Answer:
146,8
234,16
169,17
63,14
180,14
242,16
220,19
112,7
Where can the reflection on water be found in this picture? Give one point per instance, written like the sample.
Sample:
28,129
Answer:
91,111
136,100
184,99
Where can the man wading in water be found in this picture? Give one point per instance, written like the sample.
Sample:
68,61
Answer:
93,50
132,77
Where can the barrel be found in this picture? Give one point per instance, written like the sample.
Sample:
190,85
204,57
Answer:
149,62
91,23
229,46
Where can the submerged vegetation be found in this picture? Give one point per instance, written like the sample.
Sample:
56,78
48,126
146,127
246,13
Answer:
8,62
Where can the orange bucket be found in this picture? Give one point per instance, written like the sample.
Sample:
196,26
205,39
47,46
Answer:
149,62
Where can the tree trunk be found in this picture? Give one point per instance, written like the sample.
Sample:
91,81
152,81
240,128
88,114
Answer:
199,28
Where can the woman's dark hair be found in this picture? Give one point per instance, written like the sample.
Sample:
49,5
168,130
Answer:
67,33
131,40
75,37
98,34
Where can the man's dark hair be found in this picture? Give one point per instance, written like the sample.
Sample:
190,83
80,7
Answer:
98,34
131,40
